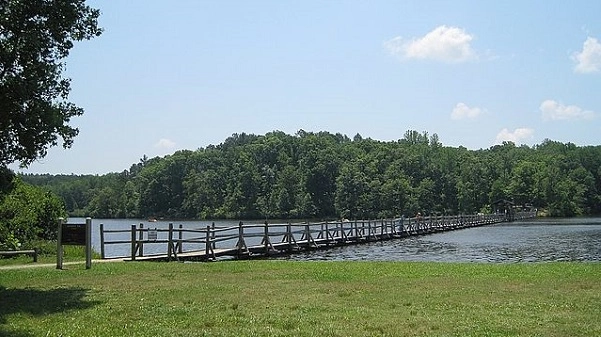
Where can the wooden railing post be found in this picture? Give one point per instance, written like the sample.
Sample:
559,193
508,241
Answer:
170,250
266,237
241,245
208,243
213,236
141,240
289,236
240,236
133,242
309,237
180,242
240,231
401,225
102,252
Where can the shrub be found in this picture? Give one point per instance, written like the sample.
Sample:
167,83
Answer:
28,213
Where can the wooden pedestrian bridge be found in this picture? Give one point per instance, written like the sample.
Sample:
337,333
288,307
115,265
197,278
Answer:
176,243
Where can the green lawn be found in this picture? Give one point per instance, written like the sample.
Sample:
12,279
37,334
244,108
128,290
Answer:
283,298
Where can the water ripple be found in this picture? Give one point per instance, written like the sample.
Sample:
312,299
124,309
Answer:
539,240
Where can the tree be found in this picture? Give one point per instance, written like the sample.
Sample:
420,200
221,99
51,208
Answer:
351,186
35,38
521,186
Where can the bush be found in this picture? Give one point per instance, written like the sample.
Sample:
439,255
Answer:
28,213
10,243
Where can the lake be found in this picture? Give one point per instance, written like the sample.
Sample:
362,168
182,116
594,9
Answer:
535,240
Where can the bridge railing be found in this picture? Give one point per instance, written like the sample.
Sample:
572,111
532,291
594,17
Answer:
243,240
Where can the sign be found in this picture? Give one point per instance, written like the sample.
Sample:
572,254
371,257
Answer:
73,234
152,234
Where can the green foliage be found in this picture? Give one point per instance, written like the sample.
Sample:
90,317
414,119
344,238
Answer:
323,175
9,242
28,213
35,36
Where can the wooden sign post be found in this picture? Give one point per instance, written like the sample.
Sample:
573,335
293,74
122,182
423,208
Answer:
72,234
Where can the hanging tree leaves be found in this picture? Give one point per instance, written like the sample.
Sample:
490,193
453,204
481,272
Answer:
35,38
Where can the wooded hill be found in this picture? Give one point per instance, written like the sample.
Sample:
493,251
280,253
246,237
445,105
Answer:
324,175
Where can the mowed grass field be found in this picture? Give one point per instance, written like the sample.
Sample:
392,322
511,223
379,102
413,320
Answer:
285,298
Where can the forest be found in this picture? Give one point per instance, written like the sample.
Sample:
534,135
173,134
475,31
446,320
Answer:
323,175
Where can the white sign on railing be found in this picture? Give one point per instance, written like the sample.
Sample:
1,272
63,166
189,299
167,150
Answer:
152,234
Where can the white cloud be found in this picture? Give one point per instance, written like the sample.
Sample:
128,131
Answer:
164,144
516,136
589,59
462,111
447,44
555,111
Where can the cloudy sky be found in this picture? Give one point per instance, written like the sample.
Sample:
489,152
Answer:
171,75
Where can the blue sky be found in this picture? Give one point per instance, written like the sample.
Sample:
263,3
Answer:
171,75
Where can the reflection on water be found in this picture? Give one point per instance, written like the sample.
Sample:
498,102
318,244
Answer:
530,241
537,240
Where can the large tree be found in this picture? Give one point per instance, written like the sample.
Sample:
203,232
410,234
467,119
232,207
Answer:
35,38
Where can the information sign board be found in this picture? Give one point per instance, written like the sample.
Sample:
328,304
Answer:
73,234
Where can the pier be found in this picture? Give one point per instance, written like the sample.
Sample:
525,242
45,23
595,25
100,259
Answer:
246,241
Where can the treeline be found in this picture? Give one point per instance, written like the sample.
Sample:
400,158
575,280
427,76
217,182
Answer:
324,175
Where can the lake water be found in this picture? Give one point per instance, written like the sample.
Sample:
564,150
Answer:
536,240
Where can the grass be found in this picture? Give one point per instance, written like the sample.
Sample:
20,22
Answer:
284,298
48,255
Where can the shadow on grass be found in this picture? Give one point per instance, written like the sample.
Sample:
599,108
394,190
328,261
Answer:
38,302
